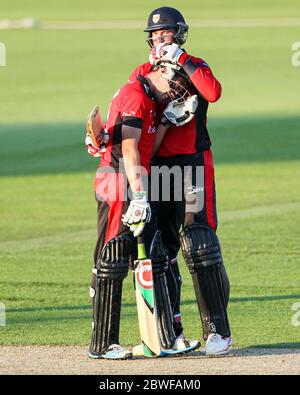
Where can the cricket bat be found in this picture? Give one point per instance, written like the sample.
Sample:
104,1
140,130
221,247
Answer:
146,304
95,127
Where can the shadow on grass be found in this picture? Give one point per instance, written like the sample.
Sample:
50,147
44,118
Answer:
263,298
33,149
267,298
48,308
83,312
58,308
185,302
268,349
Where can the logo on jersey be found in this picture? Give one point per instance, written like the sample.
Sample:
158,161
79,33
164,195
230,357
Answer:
156,18
129,114
152,129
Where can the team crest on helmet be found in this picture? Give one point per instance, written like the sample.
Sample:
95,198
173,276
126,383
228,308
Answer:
156,18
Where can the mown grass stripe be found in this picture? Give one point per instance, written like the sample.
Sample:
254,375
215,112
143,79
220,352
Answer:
31,23
90,234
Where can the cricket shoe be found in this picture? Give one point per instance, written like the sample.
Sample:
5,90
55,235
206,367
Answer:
182,343
217,345
181,346
114,351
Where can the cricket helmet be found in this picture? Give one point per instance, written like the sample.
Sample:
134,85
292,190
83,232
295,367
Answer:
167,18
179,82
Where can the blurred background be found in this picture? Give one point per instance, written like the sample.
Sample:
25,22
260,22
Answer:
62,58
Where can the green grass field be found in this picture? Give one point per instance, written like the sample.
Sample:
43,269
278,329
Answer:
48,214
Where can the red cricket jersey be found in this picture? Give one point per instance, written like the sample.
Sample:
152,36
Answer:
132,105
192,137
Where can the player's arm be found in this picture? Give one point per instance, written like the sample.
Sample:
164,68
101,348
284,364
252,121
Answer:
160,134
203,79
197,69
131,156
139,212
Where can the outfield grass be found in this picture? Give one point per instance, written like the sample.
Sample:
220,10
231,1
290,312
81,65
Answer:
48,213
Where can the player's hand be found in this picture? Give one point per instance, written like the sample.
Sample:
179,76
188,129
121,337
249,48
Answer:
180,112
91,148
155,53
137,214
168,53
94,150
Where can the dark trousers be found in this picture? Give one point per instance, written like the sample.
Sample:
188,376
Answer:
192,198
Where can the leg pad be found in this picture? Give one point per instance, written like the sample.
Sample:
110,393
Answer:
106,291
202,254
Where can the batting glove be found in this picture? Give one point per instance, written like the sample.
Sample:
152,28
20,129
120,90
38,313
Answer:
180,112
167,52
155,53
137,214
92,149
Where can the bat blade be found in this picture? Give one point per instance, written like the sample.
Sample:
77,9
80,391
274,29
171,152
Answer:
146,307
95,126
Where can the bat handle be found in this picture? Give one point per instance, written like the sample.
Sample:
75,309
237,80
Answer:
141,248
140,239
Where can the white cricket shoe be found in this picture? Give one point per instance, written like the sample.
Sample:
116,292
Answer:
181,346
114,351
217,345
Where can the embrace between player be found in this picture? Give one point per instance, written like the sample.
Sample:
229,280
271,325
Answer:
136,129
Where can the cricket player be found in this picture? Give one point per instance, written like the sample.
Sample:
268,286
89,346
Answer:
190,145
123,207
